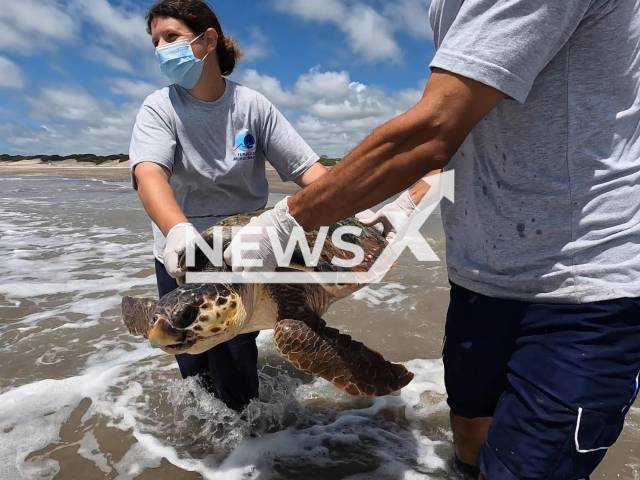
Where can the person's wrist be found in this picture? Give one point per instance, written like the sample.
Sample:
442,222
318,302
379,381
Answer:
178,226
296,211
406,203
282,219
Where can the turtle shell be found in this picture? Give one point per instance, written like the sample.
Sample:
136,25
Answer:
369,240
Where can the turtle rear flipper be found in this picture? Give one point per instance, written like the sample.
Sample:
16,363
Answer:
314,348
137,313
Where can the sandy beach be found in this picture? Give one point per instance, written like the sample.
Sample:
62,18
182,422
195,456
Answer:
116,408
108,171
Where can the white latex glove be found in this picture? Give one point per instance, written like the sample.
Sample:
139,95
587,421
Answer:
176,245
366,214
252,249
401,209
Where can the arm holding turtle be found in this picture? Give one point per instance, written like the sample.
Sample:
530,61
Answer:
160,203
406,204
399,153
391,159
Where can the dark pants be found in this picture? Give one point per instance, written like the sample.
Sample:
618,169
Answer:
228,370
557,379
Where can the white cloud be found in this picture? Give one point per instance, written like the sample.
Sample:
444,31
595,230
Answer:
410,16
134,89
68,103
65,139
332,112
332,95
78,105
371,34
322,84
325,10
119,38
11,76
35,25
105,56
258,46
118,27
269,87
73,121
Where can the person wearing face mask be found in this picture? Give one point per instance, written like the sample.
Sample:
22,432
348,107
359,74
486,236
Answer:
198,155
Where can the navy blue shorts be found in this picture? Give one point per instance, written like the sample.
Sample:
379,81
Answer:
558,380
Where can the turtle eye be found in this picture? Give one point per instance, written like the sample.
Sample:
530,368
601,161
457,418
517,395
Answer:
186,318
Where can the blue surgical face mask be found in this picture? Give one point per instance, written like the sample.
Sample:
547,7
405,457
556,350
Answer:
179,64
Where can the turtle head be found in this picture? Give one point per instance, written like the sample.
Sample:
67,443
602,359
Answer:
194,318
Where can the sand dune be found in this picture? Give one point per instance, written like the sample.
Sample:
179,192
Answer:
70,163
35,161
111,171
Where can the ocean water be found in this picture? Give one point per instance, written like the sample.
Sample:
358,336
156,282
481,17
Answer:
82,399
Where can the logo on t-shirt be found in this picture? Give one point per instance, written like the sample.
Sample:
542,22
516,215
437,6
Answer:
245,148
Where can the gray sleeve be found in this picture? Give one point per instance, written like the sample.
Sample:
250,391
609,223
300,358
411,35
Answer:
153,138
285,149
505,44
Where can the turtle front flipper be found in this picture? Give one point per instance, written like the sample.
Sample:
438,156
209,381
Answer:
137,313
314,348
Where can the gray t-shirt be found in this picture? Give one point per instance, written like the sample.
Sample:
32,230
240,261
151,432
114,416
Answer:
548,185
216,151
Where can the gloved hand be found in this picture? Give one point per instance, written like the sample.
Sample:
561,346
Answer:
176,246
365,215
246,260
400,210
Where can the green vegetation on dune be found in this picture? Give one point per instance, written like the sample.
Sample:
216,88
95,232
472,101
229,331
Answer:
329,162
84,157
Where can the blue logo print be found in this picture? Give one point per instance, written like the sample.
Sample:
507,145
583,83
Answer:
245,148
245,141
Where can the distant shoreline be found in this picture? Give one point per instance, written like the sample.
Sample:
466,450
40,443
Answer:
108,171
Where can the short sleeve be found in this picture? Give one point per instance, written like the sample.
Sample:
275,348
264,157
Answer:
505,44
153,139
284,148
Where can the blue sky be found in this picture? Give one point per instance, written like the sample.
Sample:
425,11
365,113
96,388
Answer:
73,73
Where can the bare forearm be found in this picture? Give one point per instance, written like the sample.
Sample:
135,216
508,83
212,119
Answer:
398,154
158,198
314,172
389,161
421,188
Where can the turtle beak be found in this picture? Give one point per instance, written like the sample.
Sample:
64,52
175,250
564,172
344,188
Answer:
162,335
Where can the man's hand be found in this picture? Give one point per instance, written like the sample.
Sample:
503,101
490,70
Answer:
391,218
252,250
176,246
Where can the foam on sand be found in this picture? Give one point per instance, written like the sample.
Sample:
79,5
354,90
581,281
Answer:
77,389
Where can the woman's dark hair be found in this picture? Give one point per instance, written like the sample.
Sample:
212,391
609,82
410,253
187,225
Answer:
199,17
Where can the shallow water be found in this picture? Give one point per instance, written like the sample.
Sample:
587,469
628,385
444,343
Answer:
82,399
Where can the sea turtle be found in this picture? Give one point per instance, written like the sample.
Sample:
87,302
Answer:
197,317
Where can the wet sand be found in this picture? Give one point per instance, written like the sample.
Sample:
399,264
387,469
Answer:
82,399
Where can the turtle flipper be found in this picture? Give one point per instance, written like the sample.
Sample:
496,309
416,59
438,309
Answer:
137,313
314,348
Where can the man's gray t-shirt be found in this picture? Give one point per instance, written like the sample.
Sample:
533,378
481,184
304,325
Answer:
548,184
216,151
